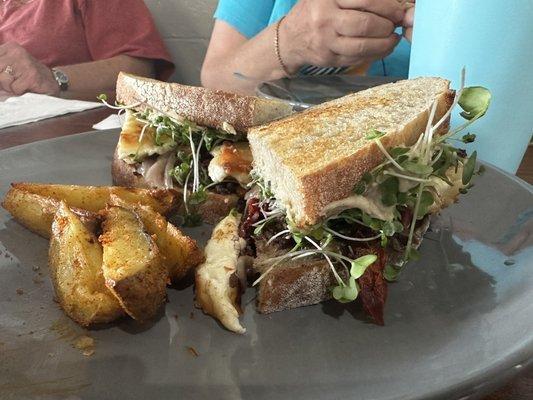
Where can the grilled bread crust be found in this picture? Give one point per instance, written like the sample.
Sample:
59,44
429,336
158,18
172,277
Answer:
306,282
316,157
216,207
296,285
205,107
292,284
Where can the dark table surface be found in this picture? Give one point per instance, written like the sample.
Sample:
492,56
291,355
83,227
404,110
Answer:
520,388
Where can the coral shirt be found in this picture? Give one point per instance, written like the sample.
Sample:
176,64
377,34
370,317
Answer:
65,32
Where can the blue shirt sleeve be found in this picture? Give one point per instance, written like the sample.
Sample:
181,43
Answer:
249,17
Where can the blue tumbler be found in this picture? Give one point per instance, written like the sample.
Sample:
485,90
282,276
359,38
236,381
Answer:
493,40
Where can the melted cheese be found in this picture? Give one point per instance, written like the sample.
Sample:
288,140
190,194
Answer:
370,204
129,149
231,160
214,292
446,194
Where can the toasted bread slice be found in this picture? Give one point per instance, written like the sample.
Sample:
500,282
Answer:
316,157
295,284
203,106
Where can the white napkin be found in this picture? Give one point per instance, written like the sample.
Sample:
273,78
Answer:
31,107
111,122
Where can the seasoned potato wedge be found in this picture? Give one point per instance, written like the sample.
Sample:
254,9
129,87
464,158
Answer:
217,284
75,259
133,268
179,252
36,212
94,198
182,253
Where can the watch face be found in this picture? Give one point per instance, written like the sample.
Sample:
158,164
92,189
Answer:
61,78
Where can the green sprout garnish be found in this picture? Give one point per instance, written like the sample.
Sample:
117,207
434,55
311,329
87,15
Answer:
468,169
345,293
474,101
406,179
188,140
374,134
468,138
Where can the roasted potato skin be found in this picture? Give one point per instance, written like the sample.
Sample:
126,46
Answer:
36,212
182,252
95,198
179,252
75,262
133,268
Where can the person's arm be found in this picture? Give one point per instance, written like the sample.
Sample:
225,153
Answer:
237,64
89,79
21,73
326,33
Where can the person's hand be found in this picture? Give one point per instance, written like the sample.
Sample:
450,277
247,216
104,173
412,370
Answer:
339,32
407,23
4,95
21,73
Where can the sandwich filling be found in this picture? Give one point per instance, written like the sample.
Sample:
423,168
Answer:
368,237
169,152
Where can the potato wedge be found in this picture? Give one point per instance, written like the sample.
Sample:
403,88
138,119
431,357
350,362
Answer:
95,198
36,212
133,268
217,284
182,252
75,259
179,252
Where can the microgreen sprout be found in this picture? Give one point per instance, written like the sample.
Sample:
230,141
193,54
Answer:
171,133
407,181
345,293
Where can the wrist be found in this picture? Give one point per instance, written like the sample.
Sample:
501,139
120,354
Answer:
54,90
288,52
61,80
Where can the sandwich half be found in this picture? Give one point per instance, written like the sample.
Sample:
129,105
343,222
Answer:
190,139
342,193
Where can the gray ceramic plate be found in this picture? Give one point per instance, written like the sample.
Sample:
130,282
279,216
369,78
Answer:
458,323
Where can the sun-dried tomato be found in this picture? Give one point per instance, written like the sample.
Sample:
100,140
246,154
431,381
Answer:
252,214
373,288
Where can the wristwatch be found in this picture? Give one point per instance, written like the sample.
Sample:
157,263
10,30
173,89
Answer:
61,79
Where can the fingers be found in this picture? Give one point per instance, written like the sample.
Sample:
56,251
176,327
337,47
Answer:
27,74
33,80
390,9
357,48
409,18
10,54
5,80
408,34
363,24
20,86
